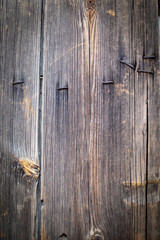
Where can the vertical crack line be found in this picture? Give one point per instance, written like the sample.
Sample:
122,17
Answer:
147,127
147,145
38,193
89,62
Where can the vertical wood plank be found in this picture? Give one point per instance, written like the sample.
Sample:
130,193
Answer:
118,122
95,136
65,121
20,47
153,171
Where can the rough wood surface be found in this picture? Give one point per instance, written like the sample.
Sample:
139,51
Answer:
99,178
95,136
19,62
153,171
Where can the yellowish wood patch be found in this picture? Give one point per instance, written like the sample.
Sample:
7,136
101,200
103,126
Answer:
111,12
30,168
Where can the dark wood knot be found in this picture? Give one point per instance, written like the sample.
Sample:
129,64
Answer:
91,5
96,237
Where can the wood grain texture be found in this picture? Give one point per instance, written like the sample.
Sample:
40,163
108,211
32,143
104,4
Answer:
100,165
153,178
19,61
65,122
95,136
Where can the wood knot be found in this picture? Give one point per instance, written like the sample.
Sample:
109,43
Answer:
96,237
30,168
91,5
91,9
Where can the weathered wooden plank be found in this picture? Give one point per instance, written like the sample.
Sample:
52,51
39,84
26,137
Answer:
118,121
94,135
153,171
65,134
19,57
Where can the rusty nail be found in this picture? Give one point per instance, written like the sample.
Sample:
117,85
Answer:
19,82
149,57
145,71
62,88
128,64
107,82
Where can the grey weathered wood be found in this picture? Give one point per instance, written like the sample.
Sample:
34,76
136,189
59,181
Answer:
94,147
19,61
153,171
100,151
65,129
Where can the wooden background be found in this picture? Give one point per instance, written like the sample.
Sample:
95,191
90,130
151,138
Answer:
79,157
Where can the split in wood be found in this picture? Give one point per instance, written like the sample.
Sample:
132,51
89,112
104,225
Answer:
18,82
107,82
128,64
149,57
145,71
62,88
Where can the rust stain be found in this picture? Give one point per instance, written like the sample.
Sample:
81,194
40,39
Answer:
111,12
140,236
5,213
154,181
43,235
30,168
28,107
138,3
120,89
134,184
2,235
140,184
130,203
